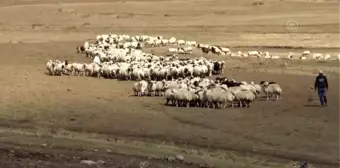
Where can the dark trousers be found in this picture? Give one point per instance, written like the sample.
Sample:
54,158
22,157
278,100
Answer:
322,95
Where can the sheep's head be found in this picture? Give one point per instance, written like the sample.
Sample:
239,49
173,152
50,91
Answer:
265,83
244,82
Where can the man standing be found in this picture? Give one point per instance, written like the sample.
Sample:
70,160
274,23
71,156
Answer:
96,60
321,85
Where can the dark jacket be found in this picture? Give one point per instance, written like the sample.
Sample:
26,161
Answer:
321,82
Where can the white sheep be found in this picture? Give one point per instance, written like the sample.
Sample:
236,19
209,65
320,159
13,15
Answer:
303,58
275,57
257,87
172,40
290,55
244,97
135,88
271,89
69,69
254,53
59,68
306,53
327,57
169,96
142,87
317,56
180,42
50,67
152,87
160,87
172,51
79,69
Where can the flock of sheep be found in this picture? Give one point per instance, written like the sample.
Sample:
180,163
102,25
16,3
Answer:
181,47
183,82
204,92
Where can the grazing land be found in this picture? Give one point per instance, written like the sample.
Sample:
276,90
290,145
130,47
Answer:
53,121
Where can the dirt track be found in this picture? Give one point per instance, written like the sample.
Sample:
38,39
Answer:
289,129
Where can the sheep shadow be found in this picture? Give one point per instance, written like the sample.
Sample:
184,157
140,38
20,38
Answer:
192,105
264,98
313,105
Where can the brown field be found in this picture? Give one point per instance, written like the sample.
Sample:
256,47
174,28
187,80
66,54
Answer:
48,121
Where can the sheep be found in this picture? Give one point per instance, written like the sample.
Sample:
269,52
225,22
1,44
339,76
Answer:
69,69
142,87
170,97
216,50
183,96
79,69
180,42
164,42
80,49
267,55
257,87
327,57
59,68
216,97
306,53
160,87
317,56
225,50
249,87
244,97
254,53
187,50
50,67
205,50
152,87
271,89
290,55
303,58
96,70
135,88
275,57
172,40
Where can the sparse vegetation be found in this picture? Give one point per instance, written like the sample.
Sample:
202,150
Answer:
61,119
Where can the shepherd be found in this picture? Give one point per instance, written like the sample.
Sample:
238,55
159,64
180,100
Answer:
321,85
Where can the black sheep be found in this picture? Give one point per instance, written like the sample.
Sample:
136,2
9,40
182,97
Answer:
205,50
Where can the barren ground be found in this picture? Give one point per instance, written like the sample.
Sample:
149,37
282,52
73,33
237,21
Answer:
81,117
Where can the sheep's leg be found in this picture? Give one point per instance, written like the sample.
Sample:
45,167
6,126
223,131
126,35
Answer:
277,97
210,105
248,103
240,103
225,105
188,103
202,103
217,104
173,102
267,96
206,104
220,104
